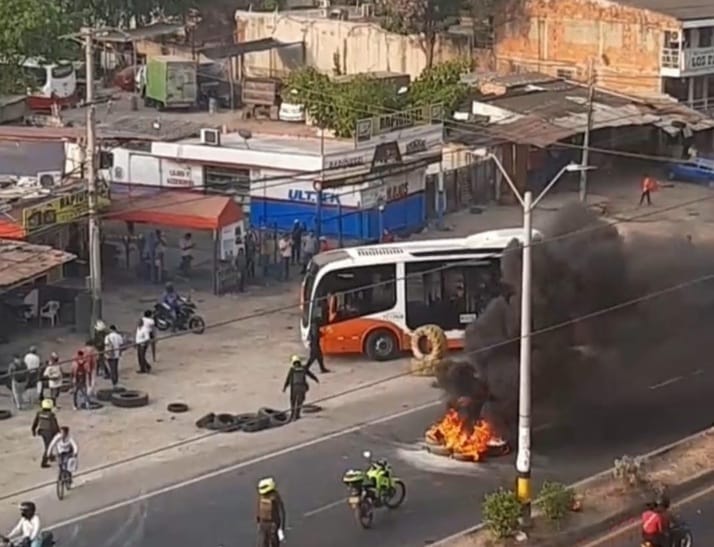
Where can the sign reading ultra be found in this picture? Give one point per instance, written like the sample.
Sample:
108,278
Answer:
60,210
303,191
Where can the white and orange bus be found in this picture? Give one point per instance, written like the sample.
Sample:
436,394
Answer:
370,299
51,84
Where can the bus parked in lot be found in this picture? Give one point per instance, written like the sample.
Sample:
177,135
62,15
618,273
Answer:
52,83
370,299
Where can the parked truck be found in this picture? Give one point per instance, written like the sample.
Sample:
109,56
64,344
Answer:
171,82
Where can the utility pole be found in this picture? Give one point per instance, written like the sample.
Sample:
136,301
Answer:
90,154
588,129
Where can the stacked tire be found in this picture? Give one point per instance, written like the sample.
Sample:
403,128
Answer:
429,347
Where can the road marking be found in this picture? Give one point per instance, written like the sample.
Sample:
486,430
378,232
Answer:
323,508
697,372
244,464
635,524
667,382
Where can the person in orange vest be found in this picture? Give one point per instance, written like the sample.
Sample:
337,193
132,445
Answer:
649,185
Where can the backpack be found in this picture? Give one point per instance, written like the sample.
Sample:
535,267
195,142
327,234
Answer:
19,372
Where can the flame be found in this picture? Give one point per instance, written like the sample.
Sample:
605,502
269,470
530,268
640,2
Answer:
455,434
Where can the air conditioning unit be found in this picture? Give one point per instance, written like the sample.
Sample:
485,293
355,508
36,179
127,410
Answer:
49,179
211,137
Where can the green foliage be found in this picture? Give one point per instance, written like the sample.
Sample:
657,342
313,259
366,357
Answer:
556,500
120,13
630,471
440,85
338,106
501,511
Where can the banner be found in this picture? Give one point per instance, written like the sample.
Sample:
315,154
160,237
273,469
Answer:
61,210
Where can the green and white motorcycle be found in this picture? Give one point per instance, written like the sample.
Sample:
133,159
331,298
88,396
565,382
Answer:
372,489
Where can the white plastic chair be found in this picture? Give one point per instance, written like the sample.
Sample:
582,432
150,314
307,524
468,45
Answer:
50,311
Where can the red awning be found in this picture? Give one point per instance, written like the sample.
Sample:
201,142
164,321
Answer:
11,230
175,209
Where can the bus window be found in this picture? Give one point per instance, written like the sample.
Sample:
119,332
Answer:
355,292
63,70
450,295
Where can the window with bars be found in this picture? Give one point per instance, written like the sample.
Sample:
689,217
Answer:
233,181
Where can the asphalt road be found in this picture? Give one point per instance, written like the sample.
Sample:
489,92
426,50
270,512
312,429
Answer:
443,497
697,511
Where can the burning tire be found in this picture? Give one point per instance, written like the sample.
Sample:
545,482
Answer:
462,457
439,450
429,343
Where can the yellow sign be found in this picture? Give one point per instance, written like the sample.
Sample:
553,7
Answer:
61,210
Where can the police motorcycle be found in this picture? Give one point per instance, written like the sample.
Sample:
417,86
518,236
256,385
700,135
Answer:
372,489
187,317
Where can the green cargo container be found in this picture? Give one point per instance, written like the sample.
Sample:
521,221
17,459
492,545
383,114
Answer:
171,82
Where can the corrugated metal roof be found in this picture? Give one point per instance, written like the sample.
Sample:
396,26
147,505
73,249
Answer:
20,261
684,10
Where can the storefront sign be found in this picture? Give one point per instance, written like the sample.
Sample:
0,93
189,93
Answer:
370,128
699,60
310,196
345,162
416,146
177,176
61,210
386,155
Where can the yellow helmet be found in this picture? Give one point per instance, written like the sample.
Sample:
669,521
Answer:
295,360
47,404
266,486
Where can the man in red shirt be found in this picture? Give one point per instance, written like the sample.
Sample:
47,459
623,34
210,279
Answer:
649,185
655,523
92,357
80,379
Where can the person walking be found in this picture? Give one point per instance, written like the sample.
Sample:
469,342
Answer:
649,185
297,381
17,371
310,248
113,343
33,364
242,267
45,425
270,516
251,250
285,248
296,241
150,323
99,335
91,357
53,374
80,380
314,336
142,341
187,246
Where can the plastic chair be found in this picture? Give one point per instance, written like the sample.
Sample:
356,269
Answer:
50,311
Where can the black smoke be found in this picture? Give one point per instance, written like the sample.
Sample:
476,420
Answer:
584,266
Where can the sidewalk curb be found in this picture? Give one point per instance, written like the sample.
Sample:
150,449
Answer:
583,533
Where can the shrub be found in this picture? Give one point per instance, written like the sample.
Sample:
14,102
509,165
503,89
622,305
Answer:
501,511
556,500
630,471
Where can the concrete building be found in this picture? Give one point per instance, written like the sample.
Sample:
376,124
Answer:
649,48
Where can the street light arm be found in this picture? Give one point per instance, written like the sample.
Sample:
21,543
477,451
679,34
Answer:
550,185
506,176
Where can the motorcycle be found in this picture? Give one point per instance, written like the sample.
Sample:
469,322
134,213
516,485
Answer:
372,489
680,534
186,318
48,540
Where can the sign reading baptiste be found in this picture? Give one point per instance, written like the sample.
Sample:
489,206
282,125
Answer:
370,128
61,210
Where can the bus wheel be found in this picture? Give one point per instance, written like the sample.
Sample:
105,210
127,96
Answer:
381,345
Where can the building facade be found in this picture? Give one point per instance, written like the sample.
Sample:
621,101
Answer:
649,48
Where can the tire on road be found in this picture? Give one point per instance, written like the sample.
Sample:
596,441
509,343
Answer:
462,457
434,338
222,422
276,417
130,399
177,407
439,450
311,408
203,422
105,395
94,405
5,414
258,424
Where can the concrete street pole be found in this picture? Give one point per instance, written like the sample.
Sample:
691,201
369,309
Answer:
95,259
523,459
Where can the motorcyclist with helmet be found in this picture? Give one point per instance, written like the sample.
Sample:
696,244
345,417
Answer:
172,301
656,522
28,530
271,514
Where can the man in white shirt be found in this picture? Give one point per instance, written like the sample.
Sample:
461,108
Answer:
142,340
113,344
34,380
186,245
150,323
286,253
28,528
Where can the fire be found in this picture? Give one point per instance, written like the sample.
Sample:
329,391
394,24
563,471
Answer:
454,433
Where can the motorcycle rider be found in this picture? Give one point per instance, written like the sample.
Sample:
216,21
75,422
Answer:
172,301
28,529
271,514
656,522
297,381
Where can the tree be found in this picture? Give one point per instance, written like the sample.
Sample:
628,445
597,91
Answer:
120,13
427,18
29,29
440,84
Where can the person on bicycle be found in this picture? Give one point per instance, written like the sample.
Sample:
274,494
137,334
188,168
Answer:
271,514
65,449
28,529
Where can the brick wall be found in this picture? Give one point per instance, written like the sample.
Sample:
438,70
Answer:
552,35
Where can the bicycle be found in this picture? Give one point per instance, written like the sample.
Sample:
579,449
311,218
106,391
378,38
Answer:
64,476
